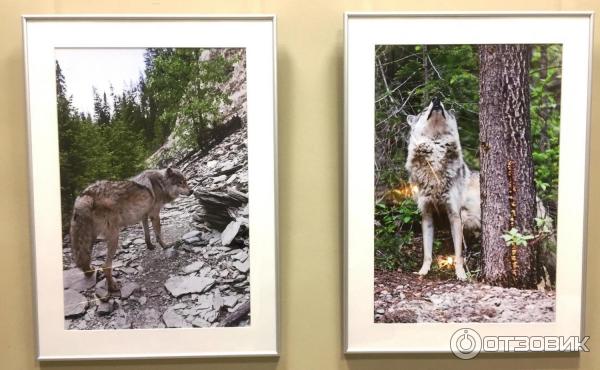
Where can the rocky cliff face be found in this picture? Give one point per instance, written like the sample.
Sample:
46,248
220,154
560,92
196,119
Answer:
233,113
203,278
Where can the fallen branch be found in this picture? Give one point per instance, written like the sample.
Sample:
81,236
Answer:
237,315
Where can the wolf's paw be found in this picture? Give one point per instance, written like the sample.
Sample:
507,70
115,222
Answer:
150,246
423,271
460,273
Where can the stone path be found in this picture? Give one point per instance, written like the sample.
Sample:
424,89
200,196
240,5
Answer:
202,277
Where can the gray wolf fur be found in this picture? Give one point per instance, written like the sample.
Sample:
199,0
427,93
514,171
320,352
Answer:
106,207
443,181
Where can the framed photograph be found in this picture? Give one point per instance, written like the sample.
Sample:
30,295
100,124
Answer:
466,181
152,147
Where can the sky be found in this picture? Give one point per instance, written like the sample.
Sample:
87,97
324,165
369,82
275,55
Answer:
85,69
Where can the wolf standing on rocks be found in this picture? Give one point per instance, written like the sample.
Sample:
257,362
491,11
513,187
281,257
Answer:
442,179
106,207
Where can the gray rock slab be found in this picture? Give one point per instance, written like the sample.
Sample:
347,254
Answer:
210,316
243,267
230,232
191,234
230,301
174,320
217,302
128,289
76,280
192,240
101,289
200,323
193,267
205,301
180,285
75,303
240,256
105,308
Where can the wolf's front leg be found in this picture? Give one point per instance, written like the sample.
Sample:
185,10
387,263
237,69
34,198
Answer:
155,218
457,239
147,233
427,226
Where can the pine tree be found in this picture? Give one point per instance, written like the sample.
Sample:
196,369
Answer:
507,176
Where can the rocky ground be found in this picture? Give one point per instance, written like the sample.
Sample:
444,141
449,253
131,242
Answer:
201,280
407,297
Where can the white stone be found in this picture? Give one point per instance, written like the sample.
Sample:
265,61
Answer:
242,266
193,267
75,303
174,320
230,232
180,285
191,234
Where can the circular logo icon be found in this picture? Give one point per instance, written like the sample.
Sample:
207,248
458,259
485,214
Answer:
465,343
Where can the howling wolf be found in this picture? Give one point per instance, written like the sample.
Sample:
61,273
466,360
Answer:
442,180
106,207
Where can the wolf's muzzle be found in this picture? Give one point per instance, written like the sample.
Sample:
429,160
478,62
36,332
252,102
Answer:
436,107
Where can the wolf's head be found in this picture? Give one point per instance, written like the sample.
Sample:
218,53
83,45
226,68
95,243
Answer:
175,183
433,120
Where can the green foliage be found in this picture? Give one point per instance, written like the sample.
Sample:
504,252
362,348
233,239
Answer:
182,93
514,237
437,245
393,233
101,109
178,93
545,75
407,77
107,148
544,225
200,110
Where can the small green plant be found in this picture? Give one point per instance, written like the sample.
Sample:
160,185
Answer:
437,245
540,185
394,234
544,224
514,237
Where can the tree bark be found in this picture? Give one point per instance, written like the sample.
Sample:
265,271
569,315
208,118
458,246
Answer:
507,178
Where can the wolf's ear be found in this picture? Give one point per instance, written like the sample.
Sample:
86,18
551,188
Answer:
411,120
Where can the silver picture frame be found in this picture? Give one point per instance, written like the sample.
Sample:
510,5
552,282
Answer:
363,31
42,34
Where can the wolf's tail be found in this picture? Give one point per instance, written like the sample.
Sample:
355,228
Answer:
82,233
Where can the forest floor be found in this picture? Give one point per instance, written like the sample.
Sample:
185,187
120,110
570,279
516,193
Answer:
198,281
411,298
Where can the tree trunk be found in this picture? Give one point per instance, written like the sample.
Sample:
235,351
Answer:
507,178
